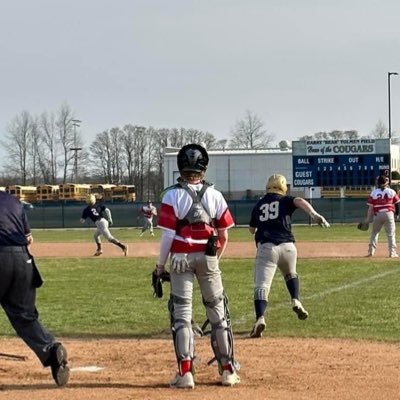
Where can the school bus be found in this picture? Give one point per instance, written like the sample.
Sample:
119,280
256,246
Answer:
103,191
23,193
48,192
123,193
74,191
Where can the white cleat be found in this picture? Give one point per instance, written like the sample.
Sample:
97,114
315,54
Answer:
299,309
230,378
258,328
183,382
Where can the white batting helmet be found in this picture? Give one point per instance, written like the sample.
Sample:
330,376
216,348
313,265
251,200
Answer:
277,184
91,199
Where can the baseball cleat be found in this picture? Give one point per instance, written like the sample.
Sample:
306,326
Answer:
299,309
183,382
394,255
230,378
98,253
125,250
58,364
258,328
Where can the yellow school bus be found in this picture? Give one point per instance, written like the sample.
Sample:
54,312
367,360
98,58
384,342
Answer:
123,193
23,193
48,192
103,190
74,191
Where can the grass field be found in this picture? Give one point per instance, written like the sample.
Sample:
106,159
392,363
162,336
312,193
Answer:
112,297
336,233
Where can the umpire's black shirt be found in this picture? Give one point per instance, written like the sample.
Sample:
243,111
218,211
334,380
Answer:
14,226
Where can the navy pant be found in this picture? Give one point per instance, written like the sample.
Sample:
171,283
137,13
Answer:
19,279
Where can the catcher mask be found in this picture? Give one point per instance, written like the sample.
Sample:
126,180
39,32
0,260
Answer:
91,199
192,157
277,184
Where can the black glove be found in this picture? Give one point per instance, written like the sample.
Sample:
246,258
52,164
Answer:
363,226
157,281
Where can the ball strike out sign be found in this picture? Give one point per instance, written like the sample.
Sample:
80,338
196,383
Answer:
339,162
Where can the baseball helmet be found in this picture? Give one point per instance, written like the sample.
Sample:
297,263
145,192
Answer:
91,199
277,184
192,157
382,181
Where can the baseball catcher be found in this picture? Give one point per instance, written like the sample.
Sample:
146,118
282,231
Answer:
194,221
271,224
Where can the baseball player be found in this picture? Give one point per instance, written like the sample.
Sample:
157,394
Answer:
271,223
97,213
194,221
148,211
383,205
19,280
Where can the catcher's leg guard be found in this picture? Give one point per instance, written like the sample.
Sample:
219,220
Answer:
221,332
182,333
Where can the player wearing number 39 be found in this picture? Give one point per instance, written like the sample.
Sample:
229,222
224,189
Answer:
271,223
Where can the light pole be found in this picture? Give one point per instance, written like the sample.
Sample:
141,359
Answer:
76,123
389,107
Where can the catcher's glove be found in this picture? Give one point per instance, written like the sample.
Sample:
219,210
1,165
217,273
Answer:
363,226
157,281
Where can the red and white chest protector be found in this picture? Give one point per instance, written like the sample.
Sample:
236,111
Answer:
192,238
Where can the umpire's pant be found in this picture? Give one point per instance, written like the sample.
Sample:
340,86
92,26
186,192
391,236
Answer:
18,281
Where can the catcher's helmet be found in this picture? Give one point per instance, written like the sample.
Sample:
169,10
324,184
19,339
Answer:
192,157
91,199
277,184
382,181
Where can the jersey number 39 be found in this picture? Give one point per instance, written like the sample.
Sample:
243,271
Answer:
269,211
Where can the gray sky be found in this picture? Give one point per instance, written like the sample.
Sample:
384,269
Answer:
302,66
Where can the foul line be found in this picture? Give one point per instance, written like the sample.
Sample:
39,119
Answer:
244,319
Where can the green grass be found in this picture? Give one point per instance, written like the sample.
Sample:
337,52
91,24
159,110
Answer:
336,233
113,298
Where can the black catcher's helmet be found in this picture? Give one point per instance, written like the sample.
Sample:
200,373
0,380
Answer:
192,157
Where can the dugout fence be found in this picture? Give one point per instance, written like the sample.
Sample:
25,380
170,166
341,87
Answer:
67,214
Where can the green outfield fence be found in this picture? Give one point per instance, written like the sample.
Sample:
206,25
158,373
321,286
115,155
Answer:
67,215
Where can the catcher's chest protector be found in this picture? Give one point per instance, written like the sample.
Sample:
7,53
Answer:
197,213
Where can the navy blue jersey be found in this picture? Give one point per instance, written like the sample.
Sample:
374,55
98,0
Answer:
272,216
14,226
95,212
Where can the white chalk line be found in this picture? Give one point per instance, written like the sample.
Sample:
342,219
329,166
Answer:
244,319
87,368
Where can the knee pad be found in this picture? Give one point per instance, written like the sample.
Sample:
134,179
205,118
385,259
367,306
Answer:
221,331
182,333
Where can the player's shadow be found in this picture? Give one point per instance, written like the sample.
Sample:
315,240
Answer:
80,385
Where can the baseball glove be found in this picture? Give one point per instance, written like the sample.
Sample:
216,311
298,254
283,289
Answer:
363,226
157,281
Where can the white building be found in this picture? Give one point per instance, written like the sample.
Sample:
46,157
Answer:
238,174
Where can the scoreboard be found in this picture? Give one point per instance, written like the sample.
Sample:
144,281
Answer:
340,162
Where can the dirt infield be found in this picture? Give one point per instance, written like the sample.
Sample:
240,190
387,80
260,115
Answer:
284,369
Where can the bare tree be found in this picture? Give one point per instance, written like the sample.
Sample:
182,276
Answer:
49,138
380,130
17,144
249,133
332,135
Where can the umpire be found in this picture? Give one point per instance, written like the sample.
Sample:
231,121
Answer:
19,279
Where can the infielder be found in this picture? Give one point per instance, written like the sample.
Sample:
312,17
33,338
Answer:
271,223
148,211
194,220
383,204
97,213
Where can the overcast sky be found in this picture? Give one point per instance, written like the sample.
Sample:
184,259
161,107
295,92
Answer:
302,66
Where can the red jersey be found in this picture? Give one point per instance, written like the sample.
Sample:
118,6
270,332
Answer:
175,205
383,200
